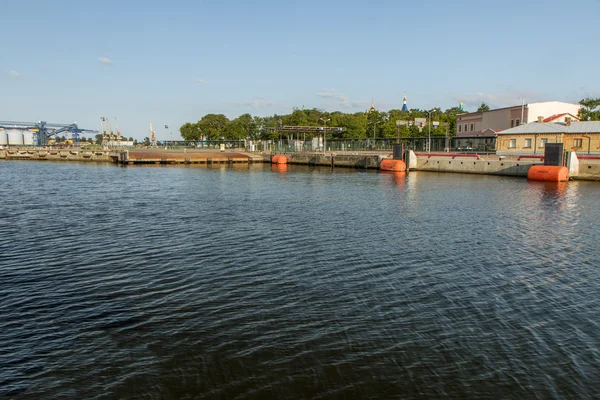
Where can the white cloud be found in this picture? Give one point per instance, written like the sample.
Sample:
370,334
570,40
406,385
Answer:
508,98
14,73
105,60
341,99
198,80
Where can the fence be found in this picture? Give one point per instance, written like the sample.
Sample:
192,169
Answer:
434,143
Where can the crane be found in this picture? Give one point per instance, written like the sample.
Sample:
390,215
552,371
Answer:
110,132
118,131
152,136
45,130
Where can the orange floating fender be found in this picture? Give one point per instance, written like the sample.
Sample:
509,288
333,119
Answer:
392,165
549,173
275,159
282,160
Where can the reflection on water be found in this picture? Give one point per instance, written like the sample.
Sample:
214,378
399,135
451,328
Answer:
279,167
399,178
237,281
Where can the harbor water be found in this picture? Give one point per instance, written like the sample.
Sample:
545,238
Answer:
295,282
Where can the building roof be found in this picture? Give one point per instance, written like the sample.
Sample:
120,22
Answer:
526,105
554,128
557,116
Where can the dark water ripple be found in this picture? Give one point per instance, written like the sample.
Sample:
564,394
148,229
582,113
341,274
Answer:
250,282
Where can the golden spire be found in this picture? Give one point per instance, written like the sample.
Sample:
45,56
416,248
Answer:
372,106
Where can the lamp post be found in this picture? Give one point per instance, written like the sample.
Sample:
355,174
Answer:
325,133
280,125
374,123
429,131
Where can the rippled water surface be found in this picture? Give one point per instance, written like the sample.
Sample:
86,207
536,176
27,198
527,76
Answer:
259,282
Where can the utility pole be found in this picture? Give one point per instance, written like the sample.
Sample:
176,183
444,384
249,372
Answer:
325,133
429,131
104,137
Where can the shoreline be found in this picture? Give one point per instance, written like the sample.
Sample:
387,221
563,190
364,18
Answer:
465,163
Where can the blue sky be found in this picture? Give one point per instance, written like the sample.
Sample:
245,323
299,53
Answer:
170,62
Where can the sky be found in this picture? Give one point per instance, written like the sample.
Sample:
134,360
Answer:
171,62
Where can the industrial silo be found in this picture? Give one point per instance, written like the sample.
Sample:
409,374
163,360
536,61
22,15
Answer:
15,137
28,138
3,138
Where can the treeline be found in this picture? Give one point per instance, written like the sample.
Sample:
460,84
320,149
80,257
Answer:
379,124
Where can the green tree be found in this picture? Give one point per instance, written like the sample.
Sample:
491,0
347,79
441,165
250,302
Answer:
588,111
243,127
213,126
450,115
190,131
483,107
98,138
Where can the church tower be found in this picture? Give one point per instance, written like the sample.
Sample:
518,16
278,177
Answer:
372,106
404,106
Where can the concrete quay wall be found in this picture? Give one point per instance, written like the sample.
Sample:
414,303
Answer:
333,160
55,154
580,168
488,165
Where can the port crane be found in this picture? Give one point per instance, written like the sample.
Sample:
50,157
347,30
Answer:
43,131
111,135
152,137
118,131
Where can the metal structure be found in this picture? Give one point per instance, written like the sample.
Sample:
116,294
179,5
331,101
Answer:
152,137
43,131
118,131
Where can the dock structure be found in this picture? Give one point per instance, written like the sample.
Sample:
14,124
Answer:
161,156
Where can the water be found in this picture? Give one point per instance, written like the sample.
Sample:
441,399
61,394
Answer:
255,282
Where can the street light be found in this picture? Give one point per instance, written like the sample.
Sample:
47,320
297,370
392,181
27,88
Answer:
429,131
324,133
374,123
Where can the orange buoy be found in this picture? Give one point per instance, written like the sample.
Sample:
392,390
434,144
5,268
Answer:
282,160
275,159
392,165
548,173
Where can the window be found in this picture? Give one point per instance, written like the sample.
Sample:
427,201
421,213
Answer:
577,142
459,128
543,142
527,143
512,123
466,127
472,127
512,144
517,122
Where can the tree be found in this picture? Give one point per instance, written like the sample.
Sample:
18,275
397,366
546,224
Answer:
243,127
190,131
483,107
98,138
588,111
450,115
213,126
